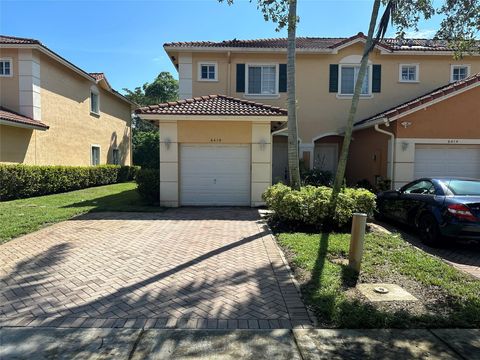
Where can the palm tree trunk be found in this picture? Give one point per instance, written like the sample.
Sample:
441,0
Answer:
293,160
342,163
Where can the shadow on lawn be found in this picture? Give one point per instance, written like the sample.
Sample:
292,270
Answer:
128,200
457,251
340,308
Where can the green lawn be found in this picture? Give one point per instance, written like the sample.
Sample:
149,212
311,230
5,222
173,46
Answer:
18,217
447,297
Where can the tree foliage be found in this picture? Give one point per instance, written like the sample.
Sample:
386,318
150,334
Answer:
145,147
145,139
459,27
163,89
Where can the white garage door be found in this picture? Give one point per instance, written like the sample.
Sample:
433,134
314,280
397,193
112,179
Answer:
447,160
215,175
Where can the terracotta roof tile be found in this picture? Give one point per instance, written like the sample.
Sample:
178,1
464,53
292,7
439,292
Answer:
17,40
97,76
213,105
12,116
424,99
316,43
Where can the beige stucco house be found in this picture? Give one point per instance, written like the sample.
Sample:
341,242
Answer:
54,113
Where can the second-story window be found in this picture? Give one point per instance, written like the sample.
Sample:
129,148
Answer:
94,101
5,67
348,79
262,80
459,72
207,71
408,73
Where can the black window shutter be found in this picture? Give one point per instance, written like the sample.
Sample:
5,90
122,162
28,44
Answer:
376,78
333,88
282,78
240,78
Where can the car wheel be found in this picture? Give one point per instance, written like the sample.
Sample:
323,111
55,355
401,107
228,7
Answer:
429,231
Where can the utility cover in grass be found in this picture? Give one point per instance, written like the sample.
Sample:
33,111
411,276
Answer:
395,293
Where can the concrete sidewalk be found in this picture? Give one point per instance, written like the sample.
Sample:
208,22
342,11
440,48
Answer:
306,344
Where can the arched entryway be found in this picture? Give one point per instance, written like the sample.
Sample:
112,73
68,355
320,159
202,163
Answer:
326,151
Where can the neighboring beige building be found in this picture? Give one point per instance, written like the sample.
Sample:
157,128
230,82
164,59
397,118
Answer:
326,69
54,113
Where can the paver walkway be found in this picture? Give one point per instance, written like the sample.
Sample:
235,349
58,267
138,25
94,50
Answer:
183,268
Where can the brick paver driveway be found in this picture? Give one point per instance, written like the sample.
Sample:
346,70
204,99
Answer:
183,268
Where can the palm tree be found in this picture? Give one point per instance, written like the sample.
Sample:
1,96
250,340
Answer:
370,43
293,164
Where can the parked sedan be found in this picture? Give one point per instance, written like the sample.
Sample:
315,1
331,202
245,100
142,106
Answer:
439,208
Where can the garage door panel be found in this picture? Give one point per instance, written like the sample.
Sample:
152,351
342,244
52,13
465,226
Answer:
215,175
447,160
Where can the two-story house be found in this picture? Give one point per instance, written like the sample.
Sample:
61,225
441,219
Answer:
54,113
417,82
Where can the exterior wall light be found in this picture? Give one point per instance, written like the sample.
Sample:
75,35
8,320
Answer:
263,144
404,146
406,124
167,142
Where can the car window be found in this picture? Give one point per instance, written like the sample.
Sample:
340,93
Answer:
463,187
423,187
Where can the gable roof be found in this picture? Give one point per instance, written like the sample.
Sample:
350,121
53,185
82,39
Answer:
322,44
420,102
218,105
9,116
13,41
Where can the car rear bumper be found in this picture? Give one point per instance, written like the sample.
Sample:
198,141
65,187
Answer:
462,231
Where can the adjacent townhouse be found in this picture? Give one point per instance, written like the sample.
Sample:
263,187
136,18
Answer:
54,113
418,114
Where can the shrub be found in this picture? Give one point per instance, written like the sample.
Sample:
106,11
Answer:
23,181
310,205
316,177
148,181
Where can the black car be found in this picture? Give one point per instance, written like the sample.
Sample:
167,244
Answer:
439,208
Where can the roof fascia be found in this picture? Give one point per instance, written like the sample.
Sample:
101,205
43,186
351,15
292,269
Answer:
22,125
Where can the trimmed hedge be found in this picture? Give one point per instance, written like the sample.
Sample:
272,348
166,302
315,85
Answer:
310,205
23,181
148,181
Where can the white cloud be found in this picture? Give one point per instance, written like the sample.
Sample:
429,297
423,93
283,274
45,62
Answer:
420,34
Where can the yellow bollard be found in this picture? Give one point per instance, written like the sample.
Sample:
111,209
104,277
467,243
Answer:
356,241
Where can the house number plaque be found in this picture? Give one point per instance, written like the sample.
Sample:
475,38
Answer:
215,140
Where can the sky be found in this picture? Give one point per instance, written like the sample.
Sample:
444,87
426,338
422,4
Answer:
124,39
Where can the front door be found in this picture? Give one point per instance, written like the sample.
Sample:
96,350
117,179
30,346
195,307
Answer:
326,157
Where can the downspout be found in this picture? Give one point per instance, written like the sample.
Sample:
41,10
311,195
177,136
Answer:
229,75
392,151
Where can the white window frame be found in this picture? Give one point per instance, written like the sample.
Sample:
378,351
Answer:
99,154
455,66
207,63
94,90
417,73
349,96
277,80
9,60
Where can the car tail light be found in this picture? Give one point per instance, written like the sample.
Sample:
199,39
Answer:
461,211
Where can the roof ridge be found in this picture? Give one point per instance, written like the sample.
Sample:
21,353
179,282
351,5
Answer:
217,108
